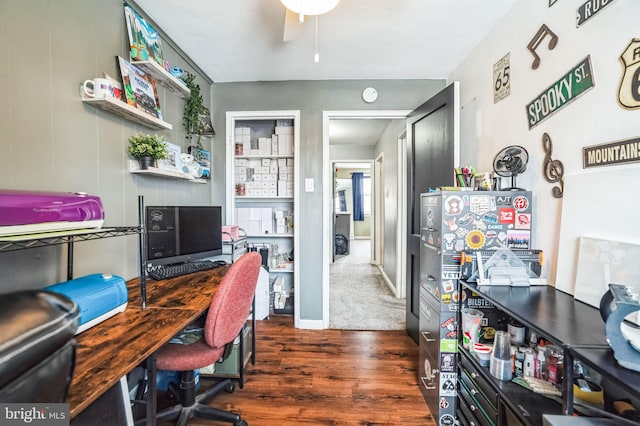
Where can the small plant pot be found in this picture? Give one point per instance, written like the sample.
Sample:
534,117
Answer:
146,162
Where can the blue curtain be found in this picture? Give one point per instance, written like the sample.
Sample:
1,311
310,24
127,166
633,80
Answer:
358,197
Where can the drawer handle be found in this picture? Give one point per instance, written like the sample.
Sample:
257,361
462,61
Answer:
430,229
474,392
472,423
426,335
430,387
430,278
473,407
474,375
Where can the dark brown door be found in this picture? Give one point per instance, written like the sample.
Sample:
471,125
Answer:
431,151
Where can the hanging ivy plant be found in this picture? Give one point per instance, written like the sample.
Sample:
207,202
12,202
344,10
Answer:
193,108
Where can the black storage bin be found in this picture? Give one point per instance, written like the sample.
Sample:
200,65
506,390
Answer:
37,348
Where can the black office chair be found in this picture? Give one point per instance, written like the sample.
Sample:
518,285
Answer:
37,349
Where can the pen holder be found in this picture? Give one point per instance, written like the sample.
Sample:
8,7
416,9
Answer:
464,180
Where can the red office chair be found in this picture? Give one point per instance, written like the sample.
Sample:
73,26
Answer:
227,314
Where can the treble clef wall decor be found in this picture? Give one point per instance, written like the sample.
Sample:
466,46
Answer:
553,169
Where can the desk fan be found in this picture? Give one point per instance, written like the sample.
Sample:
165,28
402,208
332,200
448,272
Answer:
510,162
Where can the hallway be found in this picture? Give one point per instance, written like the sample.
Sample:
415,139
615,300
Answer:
360,299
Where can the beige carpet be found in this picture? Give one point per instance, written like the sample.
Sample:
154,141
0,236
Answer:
359,297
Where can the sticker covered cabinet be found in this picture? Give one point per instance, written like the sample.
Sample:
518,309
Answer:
452,222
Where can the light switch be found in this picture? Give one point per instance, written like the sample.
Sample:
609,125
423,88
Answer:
308,185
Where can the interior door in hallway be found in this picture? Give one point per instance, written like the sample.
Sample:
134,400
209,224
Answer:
432,150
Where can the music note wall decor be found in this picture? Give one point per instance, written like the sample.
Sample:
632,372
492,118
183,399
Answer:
537,40
553,169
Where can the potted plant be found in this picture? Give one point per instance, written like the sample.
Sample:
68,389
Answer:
194,112
147,149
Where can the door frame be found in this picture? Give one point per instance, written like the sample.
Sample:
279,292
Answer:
377,225
401,228
327,193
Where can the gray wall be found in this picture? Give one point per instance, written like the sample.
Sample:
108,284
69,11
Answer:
351,152
50,140
311,98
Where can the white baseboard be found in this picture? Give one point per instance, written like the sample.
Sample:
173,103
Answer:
391,286
311,324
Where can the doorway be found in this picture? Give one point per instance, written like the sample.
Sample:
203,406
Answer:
355,214
376,247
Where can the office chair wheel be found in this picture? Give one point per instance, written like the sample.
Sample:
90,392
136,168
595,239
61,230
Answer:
243,423
230,388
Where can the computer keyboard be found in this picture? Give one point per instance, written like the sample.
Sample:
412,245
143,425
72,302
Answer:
171,271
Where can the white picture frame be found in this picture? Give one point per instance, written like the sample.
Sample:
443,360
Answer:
172,161
602,262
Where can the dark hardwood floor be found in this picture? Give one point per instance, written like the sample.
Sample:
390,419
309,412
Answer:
328,377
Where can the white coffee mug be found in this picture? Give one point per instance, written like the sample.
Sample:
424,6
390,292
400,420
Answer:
98,88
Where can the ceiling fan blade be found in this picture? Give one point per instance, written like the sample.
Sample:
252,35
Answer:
292,27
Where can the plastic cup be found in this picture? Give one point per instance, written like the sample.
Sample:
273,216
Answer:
471,322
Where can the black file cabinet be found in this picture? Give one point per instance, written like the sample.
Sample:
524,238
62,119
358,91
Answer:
438,325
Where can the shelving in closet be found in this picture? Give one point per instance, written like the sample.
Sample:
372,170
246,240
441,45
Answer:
262,170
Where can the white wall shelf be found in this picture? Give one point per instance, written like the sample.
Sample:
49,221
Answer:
261,199
277,270
264,156
169,174
163,77
273,235
127,111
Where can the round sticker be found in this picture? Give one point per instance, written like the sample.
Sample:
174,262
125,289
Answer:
453,205
447,420
520,203
475,239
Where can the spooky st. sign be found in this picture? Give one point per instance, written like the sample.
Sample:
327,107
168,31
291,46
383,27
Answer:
573,84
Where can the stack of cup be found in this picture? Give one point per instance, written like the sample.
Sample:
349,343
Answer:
500,364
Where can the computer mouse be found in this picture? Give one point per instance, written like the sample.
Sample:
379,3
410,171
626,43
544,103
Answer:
219,263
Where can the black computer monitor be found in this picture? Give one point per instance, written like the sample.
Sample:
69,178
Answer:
178,234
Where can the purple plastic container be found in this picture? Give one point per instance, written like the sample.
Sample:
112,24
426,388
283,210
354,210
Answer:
36,207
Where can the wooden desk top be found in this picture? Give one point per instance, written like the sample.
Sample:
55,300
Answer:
113,348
